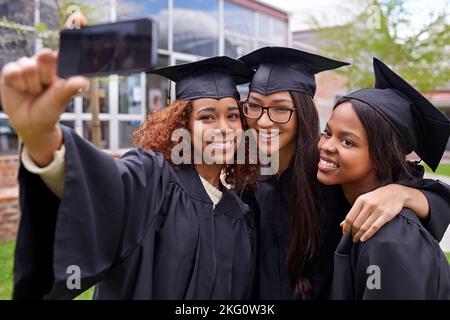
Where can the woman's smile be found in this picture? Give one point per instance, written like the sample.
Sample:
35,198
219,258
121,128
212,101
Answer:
327,164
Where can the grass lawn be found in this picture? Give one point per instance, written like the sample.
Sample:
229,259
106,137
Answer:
6,267
6,275
443,169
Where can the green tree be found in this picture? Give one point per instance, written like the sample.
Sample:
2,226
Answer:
64,8
388,30
49,37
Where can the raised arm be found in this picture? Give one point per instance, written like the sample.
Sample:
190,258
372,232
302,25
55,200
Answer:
106,205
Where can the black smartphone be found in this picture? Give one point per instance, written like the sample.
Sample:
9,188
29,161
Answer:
122,47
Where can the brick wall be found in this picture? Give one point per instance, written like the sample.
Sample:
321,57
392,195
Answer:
8,171
9,213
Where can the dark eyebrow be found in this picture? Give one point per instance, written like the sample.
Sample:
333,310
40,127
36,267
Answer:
283,100
232,108
273,101
255,98
342,133
346,133
205,109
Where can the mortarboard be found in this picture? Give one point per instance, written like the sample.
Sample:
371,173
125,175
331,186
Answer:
215,77
420,125
286,69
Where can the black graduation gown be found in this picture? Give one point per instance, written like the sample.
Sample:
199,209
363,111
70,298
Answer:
401,261
269,204
136,227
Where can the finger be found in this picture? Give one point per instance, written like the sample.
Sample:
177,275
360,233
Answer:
64,90
383,218
364,214
75,21
365,227
61,92
351,216
47,66
12,76
375,227
30,73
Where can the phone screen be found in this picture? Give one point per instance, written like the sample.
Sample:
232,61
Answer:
115,48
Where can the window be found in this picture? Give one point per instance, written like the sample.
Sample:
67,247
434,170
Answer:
126,129
130,95
196,27
9,143
157,9
238,19
263,26
104,133
239,30
279,32
236,46
271,31
103,95
157,87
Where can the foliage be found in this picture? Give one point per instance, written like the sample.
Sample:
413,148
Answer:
388,30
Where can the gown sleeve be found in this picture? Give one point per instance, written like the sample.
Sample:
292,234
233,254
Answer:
402,261
105,210
53,174
438,196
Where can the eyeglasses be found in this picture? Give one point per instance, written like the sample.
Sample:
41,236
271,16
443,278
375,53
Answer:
278,114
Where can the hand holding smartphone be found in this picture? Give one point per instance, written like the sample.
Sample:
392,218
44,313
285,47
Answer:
123,47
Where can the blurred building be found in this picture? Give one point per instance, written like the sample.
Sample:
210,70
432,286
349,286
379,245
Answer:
189,30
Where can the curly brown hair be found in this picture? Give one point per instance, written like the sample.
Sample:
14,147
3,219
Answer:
156,132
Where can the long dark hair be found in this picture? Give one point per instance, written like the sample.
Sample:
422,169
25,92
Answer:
386,149
304,211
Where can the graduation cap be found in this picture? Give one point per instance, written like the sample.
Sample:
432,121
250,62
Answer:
215,77
420,125
286,69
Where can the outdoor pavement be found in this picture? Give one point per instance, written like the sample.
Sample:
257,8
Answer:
437,177
445,243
